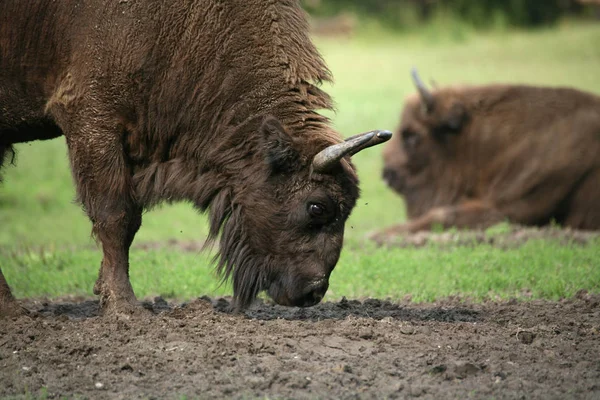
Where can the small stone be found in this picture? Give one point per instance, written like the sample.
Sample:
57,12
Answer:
365,333
407,330
500,376
99,385
549,353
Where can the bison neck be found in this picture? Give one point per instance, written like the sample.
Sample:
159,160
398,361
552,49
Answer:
225,160
205,84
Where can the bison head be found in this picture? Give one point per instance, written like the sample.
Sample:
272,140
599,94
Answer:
430,124
282,232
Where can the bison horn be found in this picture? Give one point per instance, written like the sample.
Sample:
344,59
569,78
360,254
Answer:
332,155
426,95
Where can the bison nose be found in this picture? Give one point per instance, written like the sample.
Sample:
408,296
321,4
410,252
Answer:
313,294
393,179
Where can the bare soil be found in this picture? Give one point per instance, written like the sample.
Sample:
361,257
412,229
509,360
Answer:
343,350
505,237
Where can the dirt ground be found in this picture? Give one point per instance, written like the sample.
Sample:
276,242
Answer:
345,350
349,349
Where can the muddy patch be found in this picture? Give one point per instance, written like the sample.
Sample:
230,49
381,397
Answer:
347,349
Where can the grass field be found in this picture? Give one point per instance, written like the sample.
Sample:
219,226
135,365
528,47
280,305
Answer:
45,237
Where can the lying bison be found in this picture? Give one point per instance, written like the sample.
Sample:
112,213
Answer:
473,156
213,102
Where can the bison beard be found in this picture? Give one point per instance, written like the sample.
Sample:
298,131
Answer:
236,259
212,102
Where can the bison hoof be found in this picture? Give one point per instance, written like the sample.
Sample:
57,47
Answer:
12,308
122,308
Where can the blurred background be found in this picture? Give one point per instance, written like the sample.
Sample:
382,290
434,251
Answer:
407,15
370,47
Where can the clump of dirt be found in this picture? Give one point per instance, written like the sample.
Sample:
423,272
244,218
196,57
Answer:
344,350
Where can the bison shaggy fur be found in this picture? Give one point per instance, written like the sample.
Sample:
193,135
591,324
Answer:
473,156
207,101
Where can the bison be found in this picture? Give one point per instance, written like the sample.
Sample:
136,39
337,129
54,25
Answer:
211,102
470,157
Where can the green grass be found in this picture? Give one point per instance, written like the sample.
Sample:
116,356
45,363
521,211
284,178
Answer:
538,269
372,79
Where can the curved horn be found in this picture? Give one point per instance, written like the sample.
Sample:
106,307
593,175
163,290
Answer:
426,96
332,155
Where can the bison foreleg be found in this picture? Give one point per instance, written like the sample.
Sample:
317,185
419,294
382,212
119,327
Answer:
9,307
471,214
116,232
105,188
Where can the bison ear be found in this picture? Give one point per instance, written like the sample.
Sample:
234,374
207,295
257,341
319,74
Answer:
280,153
455,118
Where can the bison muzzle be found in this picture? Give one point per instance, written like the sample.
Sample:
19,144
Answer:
211,102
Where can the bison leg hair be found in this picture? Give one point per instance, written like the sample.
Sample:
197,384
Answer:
105,188
9,307
470,214
116,235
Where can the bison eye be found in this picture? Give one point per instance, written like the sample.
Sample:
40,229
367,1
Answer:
316,210
410,138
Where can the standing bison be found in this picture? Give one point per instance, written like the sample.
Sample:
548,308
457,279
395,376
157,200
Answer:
212,102
474,156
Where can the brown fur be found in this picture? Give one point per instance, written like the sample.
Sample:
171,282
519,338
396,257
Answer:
486,154
207,101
